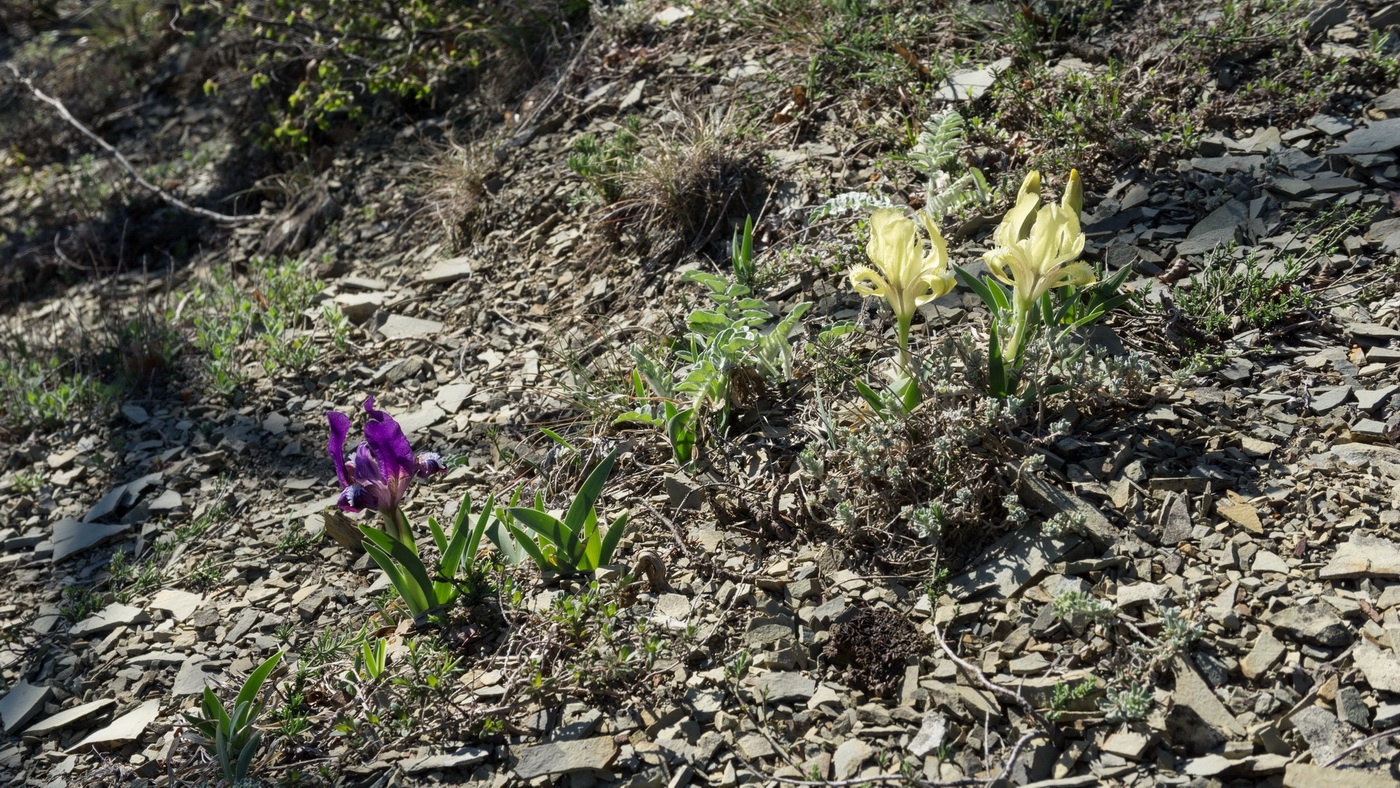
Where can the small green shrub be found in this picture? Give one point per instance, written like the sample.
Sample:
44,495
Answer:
319,62
576,542
230,734
263,319
723,348
42,387
603,164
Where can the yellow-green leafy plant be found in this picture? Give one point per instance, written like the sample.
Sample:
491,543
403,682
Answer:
577,542
231,734
737,335
907,273
1036,251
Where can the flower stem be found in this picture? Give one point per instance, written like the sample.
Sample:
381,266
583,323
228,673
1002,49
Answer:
902,335
1011,351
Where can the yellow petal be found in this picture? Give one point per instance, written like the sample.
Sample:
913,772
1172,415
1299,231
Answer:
1078,274
1073,199
1017,223
893,246
867,281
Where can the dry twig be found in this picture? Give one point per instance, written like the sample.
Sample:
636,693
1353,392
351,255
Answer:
971,670
122,160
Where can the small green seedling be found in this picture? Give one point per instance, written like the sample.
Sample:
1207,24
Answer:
230,734
574,543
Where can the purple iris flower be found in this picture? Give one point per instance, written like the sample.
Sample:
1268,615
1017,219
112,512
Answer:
378,474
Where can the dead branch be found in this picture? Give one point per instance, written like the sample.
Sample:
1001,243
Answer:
169,198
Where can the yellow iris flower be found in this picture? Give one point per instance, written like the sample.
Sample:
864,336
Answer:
906,273
1037,250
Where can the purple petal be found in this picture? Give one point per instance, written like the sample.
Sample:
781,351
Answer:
389,444
364,468
355,498
340,427
429,463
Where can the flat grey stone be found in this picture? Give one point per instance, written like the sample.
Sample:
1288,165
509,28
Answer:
1379,137
1129,744
1322,19
179,604
829,611
1220,226
1370,399
1262,141
1335,184
1263,656
135,414
158,659
1380,667
1389,102
849,757
417,422
107,504
1363,556
447,761
359,307
71,536
1387,16
1296,188
451,396
1370,429
1220,165
674,606
1198,721
447,271
1322,731
167,501
1265,561
191,678
243,625
1372,331
1309,775
566,757
22,704
126,728
1387,716
1351,708
1139,593
1050,500
1331,125
68,717
1175,521
1028,664
1011,563
108,618
1329,399
785,686
967,85
1385,459
932,731
404,327
1315,623
767,636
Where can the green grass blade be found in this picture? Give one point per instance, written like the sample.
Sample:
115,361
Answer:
439,538
588,494
403,566
529,546
547,527
610,541
249,693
